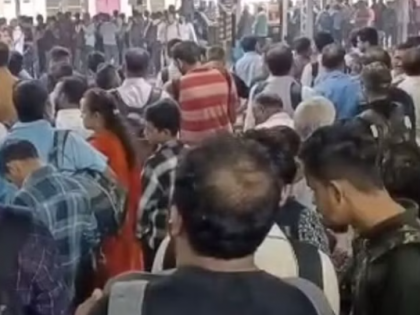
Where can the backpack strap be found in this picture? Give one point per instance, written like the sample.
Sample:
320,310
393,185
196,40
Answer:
295,94
59,141
309,262
315,71
314,294
154,96
164,75
127,298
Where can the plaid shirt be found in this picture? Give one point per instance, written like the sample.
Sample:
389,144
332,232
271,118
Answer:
62,204
39,276
157,180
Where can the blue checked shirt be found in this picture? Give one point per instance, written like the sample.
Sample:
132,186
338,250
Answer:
62,204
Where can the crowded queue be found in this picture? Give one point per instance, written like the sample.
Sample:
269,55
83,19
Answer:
217,189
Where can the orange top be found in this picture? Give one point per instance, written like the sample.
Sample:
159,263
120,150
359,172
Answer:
7,109
122,252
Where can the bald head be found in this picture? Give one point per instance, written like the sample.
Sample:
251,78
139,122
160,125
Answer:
136,62
333,57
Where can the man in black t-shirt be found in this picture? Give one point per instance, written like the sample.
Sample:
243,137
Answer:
225,197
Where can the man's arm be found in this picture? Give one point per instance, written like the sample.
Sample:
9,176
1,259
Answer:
401,285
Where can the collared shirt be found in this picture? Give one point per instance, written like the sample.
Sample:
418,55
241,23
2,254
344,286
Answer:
62,204
77,153
135,92
39,277
158,181
279,119
250,67
71,119
169,31
342,90
89,31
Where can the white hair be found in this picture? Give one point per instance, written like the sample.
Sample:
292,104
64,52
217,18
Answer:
313,113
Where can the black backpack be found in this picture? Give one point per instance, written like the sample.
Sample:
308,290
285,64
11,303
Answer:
399,152
15,227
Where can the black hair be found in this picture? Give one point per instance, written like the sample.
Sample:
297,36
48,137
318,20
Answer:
170,45
105,76
59,53
249,43
16,150
344,150
333,56
227,196
377,54
216,53
322,39
376,78
279,60
269,100
137,61
101,102
73,88
94,60
282,144
302,45
187,51
62,70
4,54
369,34
164,115
30,98
411,61
15,63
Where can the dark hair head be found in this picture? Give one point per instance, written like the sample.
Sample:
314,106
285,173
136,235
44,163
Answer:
333,56
413,41
323,39
101,102
16,150
249,43
137,61
216,53
73,88
30,99
282,144
58,54
171,44
164,115
369,34
376,54
94,60
302,45
227,195
343,151
187,51
376,78
411,62
269,100
15,63
107,77
61,70
279,60
4,54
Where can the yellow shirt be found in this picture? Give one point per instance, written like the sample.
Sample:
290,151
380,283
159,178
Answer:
7,109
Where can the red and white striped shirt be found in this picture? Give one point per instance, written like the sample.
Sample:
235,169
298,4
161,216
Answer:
207,102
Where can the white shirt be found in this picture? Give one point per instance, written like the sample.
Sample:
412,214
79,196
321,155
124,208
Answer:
167,32
71,119
307,78
18,40
135,92
89,31
411,85
279,119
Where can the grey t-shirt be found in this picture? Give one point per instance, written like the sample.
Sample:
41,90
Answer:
109,31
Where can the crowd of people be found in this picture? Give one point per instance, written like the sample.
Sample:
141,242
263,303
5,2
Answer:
216,188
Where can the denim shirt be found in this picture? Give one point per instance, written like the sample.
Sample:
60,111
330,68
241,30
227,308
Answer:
342,90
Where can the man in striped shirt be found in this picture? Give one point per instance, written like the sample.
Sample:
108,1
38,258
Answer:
206,94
